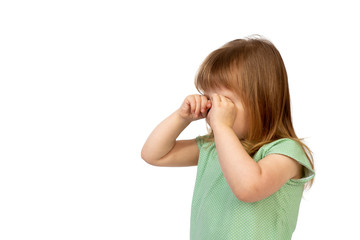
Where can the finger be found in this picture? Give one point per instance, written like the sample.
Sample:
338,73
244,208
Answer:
223,98
204,104
215,98
209,105
192,104
204,101
228,99
197,105
186,105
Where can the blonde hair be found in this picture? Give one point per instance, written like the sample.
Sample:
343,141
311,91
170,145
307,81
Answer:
253,68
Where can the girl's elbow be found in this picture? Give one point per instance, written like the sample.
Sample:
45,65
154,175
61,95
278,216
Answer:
152,160
248,195
245,197
147,158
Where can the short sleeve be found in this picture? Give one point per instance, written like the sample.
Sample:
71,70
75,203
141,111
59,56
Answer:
199,141
294,150
204,141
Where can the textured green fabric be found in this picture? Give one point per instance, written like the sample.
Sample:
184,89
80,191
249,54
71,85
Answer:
216,214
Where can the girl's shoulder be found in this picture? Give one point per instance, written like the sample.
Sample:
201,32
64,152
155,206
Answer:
285,146
290,148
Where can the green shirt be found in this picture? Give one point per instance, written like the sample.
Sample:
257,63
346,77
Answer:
216,214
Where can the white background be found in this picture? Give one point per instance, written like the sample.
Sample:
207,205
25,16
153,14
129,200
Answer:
83,83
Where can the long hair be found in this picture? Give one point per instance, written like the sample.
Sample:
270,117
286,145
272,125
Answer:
253,68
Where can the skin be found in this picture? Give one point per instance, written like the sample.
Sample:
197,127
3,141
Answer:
249,181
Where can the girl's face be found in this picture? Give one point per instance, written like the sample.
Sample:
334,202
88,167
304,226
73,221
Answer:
240,126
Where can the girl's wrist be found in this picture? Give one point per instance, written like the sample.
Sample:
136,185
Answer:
219,128
183,120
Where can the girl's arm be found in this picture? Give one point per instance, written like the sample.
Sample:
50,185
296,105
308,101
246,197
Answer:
250,181
162,149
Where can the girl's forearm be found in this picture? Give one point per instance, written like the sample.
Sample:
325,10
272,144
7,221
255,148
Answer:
163,137
239,169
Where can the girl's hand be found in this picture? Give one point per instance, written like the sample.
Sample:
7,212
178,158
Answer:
222,113
194,107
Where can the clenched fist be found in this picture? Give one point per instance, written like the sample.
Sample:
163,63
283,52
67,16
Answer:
223,111
194,107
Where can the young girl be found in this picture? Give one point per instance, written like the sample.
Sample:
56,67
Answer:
252,167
